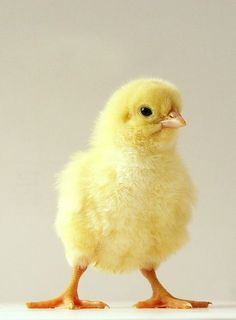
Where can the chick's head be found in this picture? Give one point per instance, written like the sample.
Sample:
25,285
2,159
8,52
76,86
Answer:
143,113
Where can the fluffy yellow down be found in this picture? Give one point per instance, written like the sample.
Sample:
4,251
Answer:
125,203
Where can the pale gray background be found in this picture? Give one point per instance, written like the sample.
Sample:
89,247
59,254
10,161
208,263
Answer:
59,62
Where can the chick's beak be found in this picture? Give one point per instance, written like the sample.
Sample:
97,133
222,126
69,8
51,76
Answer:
173,120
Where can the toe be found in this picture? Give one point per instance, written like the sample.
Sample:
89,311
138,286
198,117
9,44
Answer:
145,304
199,304
175,304
68,304
53,303
86,304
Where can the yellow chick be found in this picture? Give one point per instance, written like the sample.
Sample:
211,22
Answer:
125,203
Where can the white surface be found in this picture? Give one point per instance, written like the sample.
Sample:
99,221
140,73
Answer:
19,312
60,60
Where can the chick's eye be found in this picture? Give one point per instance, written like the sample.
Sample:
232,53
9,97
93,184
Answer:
146,111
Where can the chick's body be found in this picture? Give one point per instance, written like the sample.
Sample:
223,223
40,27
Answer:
121,210
123,205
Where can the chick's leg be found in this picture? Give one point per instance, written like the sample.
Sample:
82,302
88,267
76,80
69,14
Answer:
161,298
69,298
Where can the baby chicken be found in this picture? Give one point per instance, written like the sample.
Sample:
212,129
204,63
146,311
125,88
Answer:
125,203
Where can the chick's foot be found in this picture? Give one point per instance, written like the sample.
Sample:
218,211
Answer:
68,302
69,298
171,302
161,298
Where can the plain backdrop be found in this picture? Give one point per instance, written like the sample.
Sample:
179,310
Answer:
59,62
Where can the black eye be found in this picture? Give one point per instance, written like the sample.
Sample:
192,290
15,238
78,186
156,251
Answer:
146,111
